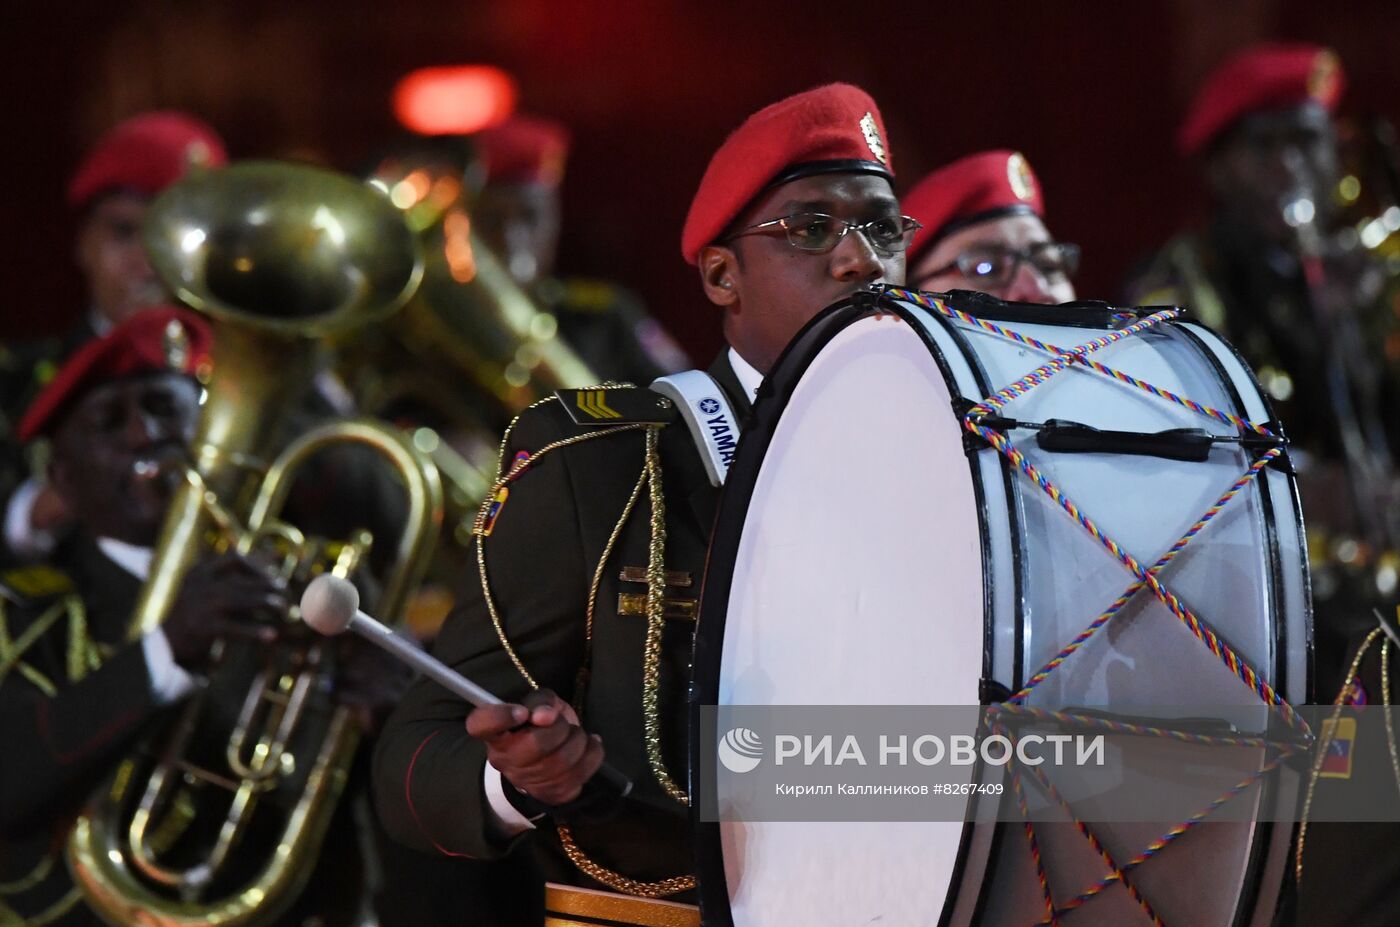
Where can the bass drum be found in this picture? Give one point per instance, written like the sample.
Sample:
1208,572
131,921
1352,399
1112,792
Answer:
869,551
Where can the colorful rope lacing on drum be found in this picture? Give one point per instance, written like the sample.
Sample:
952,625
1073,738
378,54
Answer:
1062,359
1118,873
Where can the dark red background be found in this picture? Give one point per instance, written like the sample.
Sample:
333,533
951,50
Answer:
1091,92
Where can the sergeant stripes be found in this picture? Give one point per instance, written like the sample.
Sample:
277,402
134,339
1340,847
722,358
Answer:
594,402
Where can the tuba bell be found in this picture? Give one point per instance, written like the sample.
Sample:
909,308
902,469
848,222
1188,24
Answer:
469,351
469,309
219,820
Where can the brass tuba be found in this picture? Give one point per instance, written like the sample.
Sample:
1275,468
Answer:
469,310
470,349
222,825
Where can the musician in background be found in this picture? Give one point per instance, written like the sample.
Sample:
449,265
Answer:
517,213
75,694
110,193
796,211
1273,271
984,230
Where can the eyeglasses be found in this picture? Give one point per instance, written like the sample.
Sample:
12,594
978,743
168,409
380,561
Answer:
996,265
817,233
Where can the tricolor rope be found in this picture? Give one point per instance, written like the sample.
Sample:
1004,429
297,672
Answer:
1003,445
1164,841
1072,719
1118,604
1226,654
1018,787
1117,874
1062,359
1080,354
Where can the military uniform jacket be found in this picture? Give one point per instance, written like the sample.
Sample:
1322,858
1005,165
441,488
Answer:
63,727
546,544
25,368
1351,871
60,739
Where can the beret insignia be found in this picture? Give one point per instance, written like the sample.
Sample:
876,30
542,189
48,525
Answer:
871,132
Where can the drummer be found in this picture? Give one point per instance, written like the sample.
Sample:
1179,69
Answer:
795,211
984,229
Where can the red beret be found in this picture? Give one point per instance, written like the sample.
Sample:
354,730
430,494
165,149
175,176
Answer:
151,341
524,149
979,187
146,153
1263,77
831,129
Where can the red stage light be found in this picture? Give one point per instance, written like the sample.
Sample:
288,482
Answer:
454,100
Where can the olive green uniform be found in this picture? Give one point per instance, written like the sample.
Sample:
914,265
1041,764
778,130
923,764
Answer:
551,540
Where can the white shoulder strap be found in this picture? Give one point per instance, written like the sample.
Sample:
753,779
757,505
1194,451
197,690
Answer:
707,414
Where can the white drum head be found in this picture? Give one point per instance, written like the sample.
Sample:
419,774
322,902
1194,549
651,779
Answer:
857,581
863,555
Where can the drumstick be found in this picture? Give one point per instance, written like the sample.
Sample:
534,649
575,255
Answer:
331,606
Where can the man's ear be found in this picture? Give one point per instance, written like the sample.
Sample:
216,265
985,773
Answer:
718,274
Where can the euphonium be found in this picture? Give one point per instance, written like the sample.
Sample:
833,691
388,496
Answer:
224,828
470,350
469,308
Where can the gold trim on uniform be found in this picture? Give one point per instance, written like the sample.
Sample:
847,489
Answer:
84,655
33,582
1330,727
650,479
634,604
681,579
565,905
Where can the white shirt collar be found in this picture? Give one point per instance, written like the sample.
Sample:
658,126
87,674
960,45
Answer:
749,378
135,560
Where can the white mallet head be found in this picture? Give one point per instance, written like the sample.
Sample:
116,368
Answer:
329,604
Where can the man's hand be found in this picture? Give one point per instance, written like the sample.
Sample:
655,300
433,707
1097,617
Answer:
228,596
549,757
